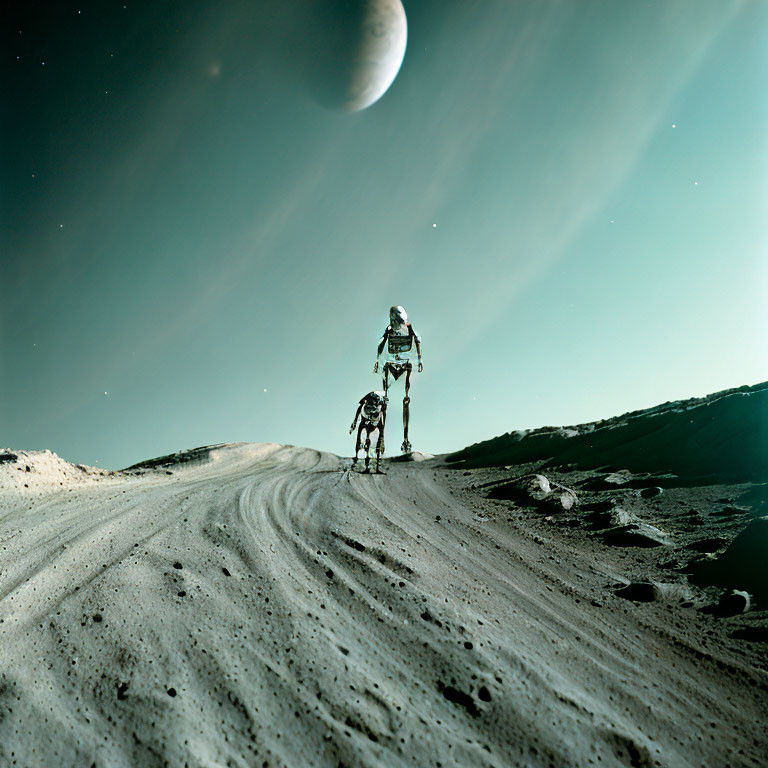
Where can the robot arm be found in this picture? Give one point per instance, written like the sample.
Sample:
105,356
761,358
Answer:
418,349
382,344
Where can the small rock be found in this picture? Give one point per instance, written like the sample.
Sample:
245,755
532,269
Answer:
732,603
618,478
620,516
539,485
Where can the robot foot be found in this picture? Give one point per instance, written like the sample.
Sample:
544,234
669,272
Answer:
406,447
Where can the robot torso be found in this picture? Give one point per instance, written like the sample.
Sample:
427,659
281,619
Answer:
400,347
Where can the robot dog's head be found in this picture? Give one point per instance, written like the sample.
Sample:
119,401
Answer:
398,316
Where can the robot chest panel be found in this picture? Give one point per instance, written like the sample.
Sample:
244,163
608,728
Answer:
399,344
371,414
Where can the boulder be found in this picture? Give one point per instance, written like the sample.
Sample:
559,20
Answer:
732,603
653,591
537,491
742,565
546,492
635,535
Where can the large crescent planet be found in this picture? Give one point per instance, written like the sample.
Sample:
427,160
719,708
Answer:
378,53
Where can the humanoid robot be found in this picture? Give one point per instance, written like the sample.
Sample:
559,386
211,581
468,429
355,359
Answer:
372,413
399,338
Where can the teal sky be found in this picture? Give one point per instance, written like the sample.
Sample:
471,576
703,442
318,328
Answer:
185,227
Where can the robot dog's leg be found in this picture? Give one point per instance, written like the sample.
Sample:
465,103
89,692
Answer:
358,441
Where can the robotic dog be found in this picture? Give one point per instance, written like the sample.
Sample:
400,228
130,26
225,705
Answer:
372,413
399,339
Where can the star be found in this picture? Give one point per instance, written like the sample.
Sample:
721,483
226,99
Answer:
265,390
673,125
434,226
105,393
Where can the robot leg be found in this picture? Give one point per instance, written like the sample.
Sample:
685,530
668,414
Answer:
367,450
406,447
357,445
379,448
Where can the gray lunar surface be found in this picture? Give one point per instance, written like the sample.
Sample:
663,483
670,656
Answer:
261,605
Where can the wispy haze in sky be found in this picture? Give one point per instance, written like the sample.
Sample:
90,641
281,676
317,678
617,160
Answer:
569,198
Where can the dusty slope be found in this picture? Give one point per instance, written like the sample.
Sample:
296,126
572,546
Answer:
258,607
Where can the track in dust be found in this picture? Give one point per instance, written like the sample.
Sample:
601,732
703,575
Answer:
265,608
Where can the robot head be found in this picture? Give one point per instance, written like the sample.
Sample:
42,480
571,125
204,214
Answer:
398,316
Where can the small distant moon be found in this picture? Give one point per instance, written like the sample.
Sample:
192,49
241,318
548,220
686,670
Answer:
379,53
